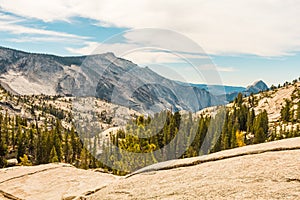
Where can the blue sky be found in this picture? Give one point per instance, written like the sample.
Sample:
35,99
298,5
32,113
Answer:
244,41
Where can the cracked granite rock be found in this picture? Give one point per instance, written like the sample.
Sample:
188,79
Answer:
263,171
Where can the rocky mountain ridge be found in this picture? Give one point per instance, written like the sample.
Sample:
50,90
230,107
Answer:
255,88
231,92
104,76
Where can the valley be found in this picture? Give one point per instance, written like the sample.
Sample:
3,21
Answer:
88,132
150,100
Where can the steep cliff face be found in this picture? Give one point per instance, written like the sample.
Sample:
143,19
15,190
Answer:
105,76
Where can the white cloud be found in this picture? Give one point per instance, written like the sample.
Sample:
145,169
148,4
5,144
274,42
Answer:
18,29
148,46
11,24
259,27
143,53
7,18
145,57
44,10
45,39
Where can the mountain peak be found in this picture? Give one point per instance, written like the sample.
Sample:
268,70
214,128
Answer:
109,54
257,87
260,82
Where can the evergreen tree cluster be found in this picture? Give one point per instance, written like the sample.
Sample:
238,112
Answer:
290,112
184,136
38,144
241,126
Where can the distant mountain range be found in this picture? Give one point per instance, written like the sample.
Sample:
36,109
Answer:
257,87
110,78
216,89
230,91
105,76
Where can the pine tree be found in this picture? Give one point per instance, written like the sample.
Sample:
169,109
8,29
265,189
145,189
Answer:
265,122
58,144
3,146
13,135
239,99
53,155
261,127
21,144
233,136
250,120
94,152
242,118
224,136
285,111
39,150
3,151
298,111
31,142
84,159
67,147
259,136
5,129
73,144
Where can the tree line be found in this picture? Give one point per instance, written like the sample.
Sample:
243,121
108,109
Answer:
164,136
197,136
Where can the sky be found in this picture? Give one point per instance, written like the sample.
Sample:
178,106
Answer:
241,41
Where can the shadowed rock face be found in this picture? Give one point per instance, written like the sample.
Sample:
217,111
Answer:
264,171
114,79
